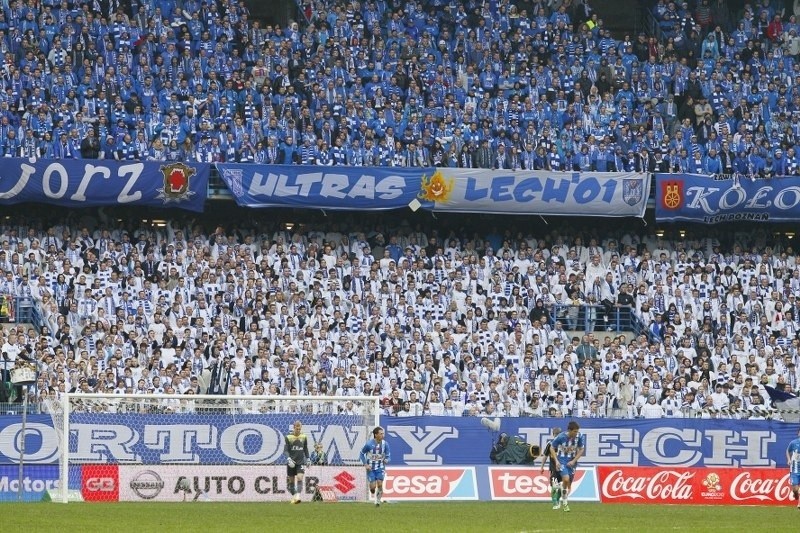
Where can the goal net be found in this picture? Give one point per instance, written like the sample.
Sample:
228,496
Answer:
217,448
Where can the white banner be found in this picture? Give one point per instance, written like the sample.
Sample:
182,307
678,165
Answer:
608,194
176,483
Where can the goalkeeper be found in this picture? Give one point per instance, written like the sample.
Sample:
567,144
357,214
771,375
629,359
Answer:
296,450
513,451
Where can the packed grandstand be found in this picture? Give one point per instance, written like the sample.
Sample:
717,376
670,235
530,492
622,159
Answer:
431,318
515,85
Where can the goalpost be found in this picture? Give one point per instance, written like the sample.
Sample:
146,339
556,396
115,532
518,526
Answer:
128,447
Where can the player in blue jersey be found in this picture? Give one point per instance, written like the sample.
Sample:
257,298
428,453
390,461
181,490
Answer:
793,459
567,448
374,456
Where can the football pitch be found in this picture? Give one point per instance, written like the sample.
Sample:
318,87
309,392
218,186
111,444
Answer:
436,517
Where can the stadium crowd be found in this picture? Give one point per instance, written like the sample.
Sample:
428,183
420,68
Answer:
446,323
461,83
432,319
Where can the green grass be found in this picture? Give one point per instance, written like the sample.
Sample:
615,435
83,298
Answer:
437,517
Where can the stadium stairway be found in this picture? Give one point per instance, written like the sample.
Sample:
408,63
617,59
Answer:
618,16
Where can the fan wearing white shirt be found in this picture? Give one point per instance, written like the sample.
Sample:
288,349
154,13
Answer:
671,405
11,349
652,409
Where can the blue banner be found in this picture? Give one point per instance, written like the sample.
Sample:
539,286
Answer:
227,438
695,198
434,440
41,440
93,183
438,189
224,438
321,187
36,480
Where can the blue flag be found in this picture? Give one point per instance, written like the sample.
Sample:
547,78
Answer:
787,402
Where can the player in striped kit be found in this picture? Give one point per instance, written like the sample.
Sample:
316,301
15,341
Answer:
374,456
793,459
567,448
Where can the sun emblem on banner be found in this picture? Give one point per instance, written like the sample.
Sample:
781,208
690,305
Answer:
176,182
437,188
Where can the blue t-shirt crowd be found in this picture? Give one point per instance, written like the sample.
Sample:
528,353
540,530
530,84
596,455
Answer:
496,84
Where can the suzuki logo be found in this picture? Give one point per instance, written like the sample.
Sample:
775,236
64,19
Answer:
344,482
100,484
423,441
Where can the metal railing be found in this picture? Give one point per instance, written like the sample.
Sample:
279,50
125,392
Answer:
640,328
21,310
762,413
11,409
26,309
651,25
301,10
591,318
217,190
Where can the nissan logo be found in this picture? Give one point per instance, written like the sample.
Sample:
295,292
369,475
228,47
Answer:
147,485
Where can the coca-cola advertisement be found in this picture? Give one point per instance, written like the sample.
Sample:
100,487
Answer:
706,486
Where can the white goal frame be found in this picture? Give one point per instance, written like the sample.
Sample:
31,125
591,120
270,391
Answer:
62,407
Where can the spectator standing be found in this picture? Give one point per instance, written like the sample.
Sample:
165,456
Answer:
90,145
